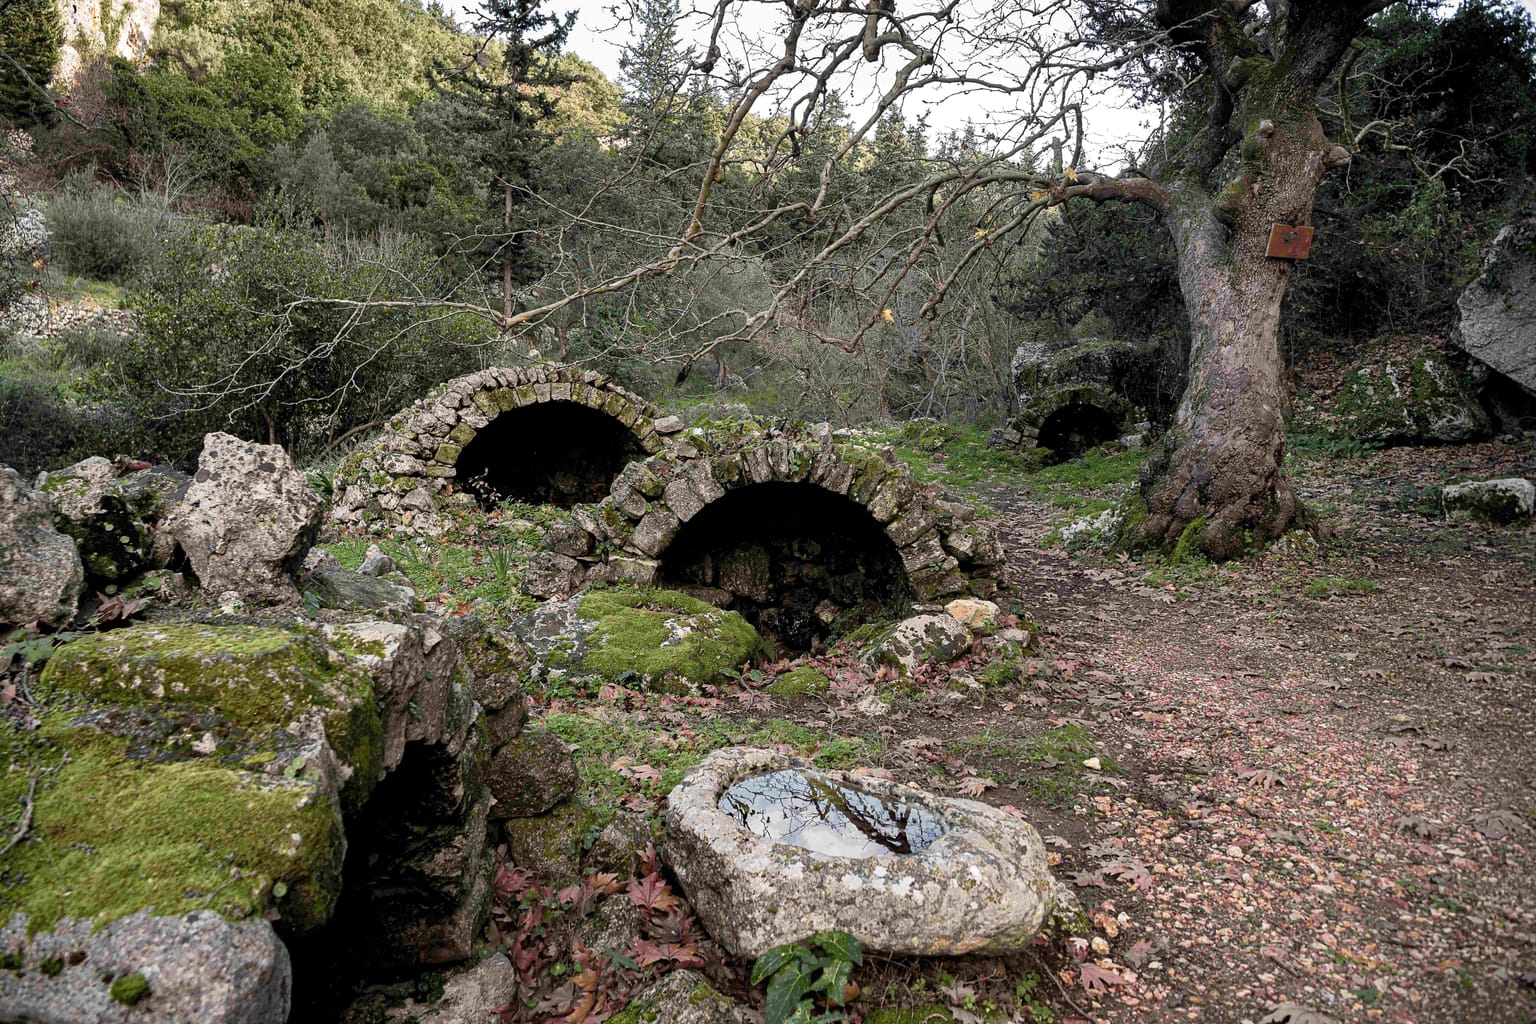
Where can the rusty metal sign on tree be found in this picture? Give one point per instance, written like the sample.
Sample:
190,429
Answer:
1290,241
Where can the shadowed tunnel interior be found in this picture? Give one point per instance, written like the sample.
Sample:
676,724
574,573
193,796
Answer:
797,561
553,453
1075,428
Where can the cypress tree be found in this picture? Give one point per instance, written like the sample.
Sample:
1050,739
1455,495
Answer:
30,36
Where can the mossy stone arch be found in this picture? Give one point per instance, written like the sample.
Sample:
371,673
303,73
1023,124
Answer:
537,434
1073,418
669,516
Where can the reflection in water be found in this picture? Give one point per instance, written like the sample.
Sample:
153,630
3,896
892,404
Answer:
815,813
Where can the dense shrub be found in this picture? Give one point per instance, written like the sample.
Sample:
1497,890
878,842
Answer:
272,336
101,234
30,35
44,421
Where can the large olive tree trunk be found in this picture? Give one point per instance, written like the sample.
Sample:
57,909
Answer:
1216,484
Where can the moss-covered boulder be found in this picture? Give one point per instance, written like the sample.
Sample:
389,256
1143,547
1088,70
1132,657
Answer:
1409,395
550,845
656,638
800,682
114,517
531,774
1499,502
180,767
121,825
190,766
256,681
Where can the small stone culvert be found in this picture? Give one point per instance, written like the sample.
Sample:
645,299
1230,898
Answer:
804,537
1073,419
1077,427
537,435
795,560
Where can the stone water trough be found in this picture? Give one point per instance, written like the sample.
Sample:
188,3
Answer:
771,850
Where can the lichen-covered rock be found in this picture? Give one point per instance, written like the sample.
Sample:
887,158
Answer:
336,589
920,640
473,996
982,886
682,997
1408,397
1497,321
114,518
40,570
657,638
974,613
155,970
531,774
1490,501
247,520
550,845
500,664
551,574
619,845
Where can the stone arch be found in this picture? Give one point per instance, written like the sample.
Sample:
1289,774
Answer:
941,548
499,433
1074,418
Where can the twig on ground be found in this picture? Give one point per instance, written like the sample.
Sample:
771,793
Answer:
26,818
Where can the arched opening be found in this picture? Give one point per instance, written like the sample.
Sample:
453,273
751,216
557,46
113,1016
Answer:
553,453
1075,428
405,879
798,562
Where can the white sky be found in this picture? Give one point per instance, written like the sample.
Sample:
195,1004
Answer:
599,37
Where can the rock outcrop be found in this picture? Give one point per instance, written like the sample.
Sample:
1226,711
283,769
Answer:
247,520
185,767
41,574
190,967
657,639
1497,312
1406,392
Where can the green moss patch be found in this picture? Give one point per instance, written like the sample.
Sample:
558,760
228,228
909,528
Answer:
257,678
799,682
112,834
254,676
129,989
666,637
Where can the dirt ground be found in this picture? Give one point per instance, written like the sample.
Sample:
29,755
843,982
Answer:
1316,792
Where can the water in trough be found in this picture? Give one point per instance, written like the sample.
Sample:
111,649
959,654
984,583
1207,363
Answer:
813,812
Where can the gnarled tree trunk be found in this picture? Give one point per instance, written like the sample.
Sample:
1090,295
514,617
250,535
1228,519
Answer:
1216,484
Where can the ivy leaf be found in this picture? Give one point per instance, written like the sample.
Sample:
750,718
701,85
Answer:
840,945
834,981
773,961
789,985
